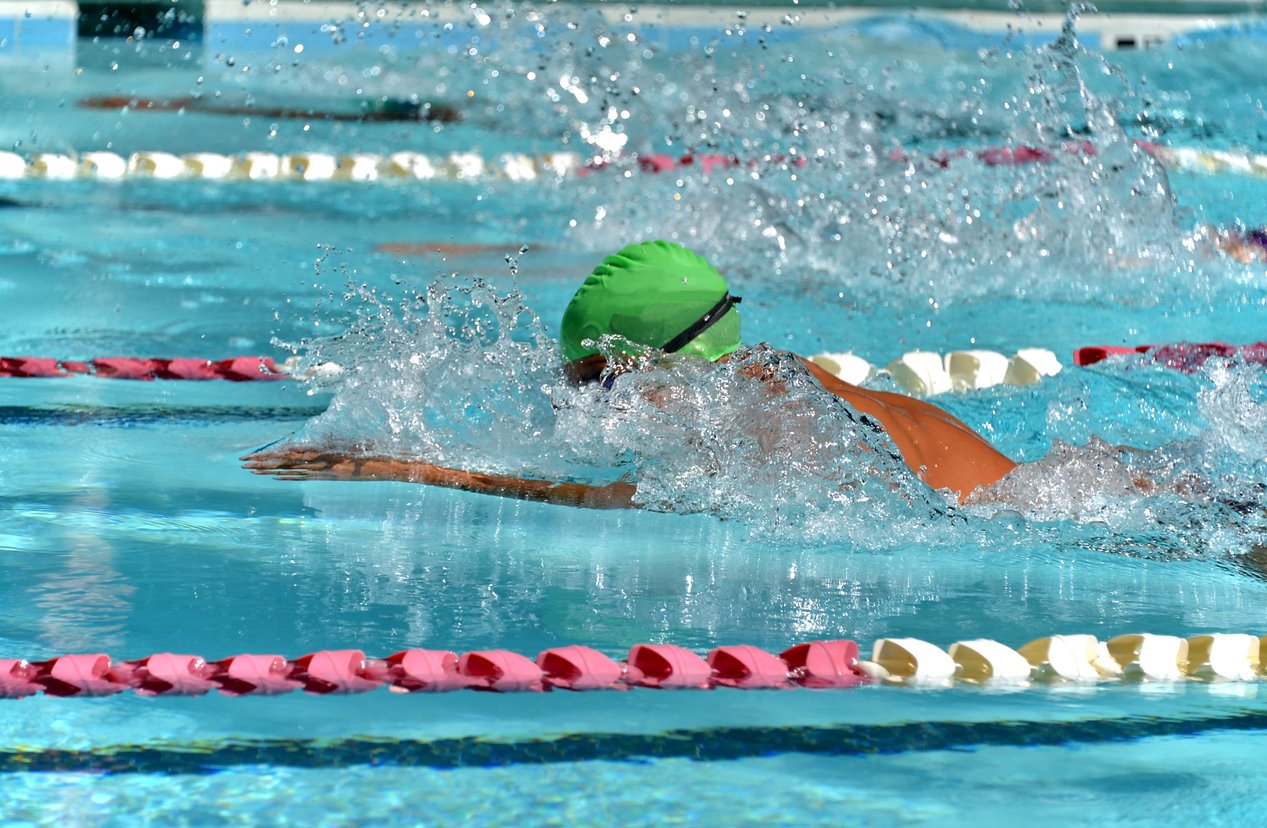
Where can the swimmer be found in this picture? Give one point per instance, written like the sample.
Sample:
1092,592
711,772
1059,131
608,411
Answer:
662,296
1247,247
382,109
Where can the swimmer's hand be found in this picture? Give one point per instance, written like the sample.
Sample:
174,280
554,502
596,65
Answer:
315,464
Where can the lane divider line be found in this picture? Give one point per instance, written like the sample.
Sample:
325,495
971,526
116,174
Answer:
234,369
926,373
362,167
1079,659
920,373
1182,356
305,166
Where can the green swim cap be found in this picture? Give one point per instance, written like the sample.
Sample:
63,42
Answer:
657,294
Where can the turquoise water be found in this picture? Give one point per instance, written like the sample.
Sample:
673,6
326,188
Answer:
128,527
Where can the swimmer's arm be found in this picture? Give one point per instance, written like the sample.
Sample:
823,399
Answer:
313,464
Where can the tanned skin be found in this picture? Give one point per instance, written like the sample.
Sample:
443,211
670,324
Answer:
940,449
314,464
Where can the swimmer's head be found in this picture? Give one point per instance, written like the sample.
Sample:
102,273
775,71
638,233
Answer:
656,295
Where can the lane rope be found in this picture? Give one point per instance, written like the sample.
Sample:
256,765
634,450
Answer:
306,166
1139,657
921,373
471,166
234,369
927,373
1182,356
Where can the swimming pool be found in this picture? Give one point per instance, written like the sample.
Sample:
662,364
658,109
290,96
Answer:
128,527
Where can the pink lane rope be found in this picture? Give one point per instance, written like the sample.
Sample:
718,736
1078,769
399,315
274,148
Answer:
234,369
1001,156
1181,356
816,664
658,162
1010,156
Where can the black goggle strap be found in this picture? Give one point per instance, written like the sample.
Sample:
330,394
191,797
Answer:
702,324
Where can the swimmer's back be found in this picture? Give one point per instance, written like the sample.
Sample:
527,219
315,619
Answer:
939,448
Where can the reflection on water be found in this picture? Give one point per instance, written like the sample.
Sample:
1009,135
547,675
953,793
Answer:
83,600
460,570
387,566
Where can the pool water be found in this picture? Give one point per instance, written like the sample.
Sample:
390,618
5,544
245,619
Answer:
128,527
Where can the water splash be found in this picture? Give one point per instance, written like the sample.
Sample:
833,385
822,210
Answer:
861,174
1199,496
463,376
1235,408
753,439
458,373
907,199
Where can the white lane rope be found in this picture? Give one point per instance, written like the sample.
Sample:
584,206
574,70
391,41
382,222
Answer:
403,166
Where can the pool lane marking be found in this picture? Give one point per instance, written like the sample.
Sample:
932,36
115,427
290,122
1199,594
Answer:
140,415
1077,658
234,369
921,373
365,168
697,745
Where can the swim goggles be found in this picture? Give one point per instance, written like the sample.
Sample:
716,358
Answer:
714,314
